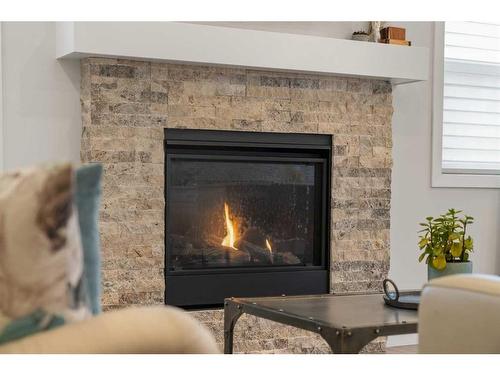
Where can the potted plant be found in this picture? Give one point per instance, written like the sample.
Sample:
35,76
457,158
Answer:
446,245
361,35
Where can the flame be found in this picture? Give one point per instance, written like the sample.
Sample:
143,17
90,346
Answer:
230,238
268,245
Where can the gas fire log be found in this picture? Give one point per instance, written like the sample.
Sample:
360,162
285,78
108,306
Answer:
189,252
234,257
286,258
226,256
213,240
264,256
254,242
257,253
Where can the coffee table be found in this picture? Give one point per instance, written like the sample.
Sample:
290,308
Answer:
346,322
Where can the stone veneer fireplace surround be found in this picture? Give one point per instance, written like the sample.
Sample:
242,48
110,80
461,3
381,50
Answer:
127,104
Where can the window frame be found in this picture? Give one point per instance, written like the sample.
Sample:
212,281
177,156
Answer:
439,177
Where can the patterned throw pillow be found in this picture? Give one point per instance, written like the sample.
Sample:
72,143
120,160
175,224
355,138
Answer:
41,260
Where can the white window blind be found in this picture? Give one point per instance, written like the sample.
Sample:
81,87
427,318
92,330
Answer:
471,98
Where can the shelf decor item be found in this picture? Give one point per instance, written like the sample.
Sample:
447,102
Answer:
408,299
396,41
391,32
375,27
361,36
394,35
445,244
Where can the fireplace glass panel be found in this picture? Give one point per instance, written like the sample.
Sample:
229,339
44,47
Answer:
242,213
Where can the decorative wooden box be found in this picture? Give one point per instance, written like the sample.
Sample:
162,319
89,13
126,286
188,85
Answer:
391,32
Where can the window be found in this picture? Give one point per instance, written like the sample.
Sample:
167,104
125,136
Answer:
467,104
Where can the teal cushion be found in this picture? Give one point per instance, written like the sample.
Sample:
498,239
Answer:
36,322
87,199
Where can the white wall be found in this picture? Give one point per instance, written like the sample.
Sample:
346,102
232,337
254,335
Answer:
412,195
341,30
41,103
42,122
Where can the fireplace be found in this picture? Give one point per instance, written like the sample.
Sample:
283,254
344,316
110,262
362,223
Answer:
246,214
126,105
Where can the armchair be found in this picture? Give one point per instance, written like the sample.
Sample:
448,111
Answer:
460,314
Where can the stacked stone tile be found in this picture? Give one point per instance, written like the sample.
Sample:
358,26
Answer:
125,106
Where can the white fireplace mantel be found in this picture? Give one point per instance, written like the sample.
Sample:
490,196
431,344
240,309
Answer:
213,45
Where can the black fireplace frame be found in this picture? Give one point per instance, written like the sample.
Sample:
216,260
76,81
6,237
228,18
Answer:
202,288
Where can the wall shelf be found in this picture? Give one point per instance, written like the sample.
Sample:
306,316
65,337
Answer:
214,45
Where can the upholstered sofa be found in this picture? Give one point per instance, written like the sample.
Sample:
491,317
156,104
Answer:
460,314
134,330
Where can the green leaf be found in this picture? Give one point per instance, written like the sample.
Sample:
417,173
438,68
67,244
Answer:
423,242
466,257
454,236
421,257
468,243
456,249
439,262
437,250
